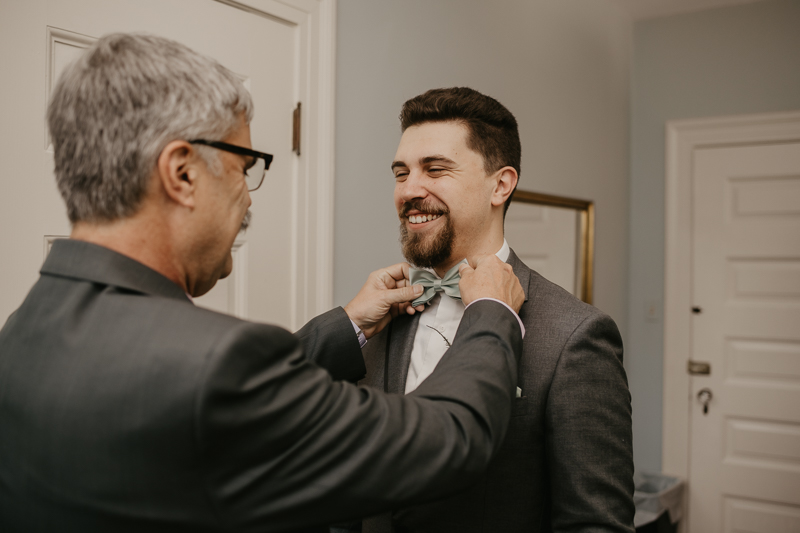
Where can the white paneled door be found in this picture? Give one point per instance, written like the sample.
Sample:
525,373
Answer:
39,37
744,464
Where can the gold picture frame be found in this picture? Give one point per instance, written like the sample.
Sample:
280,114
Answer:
584,238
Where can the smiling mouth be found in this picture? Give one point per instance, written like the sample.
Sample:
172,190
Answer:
421,219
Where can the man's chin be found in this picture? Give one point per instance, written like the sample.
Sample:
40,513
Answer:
425,251
227,268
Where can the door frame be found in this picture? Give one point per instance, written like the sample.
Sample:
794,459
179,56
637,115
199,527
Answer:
683,137
312,192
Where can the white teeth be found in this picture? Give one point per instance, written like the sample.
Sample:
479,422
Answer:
418,219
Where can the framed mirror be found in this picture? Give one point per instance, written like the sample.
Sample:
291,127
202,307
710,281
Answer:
554,235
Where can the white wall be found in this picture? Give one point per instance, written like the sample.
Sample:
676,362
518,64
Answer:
561,67
743,59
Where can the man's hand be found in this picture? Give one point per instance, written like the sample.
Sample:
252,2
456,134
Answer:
490,278
385,294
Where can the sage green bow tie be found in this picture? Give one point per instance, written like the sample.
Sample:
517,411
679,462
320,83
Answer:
432,284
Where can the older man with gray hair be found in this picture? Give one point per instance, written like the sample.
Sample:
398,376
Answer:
123,407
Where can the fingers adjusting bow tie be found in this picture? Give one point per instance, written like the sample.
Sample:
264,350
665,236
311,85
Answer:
432,284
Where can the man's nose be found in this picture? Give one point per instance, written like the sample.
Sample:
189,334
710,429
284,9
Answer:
413,186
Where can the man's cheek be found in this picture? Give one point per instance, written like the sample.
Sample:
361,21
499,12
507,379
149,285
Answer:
398,203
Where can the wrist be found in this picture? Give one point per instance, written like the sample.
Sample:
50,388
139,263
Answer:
351,315
362,338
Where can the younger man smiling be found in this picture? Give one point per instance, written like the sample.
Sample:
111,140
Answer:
567,461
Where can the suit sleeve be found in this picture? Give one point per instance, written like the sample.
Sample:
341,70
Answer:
589,436
288,447
329,341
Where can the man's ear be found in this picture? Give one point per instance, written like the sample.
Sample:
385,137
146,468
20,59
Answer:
505,182
177,168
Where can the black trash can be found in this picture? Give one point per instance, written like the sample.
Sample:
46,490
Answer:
659,503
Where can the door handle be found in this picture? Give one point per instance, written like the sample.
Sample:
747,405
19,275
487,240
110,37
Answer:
704,396
698,368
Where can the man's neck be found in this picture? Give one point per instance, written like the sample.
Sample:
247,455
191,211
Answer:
139,237
492,247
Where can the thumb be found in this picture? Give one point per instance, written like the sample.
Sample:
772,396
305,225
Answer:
403,294
484,258
464,268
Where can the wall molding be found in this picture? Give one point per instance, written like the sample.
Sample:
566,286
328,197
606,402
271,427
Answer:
56,37
48,243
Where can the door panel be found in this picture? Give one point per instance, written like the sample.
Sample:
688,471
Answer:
760,517
745,452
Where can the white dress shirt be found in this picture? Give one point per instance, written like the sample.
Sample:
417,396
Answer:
442,314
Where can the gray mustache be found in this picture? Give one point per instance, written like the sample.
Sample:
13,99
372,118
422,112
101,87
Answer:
246,221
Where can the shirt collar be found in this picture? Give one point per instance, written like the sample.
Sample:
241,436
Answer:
502,254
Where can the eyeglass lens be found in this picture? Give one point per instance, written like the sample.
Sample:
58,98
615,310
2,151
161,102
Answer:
255,174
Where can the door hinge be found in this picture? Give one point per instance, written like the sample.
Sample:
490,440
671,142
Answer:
699,368
296,129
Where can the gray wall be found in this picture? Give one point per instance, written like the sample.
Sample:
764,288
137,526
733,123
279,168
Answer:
561,67
737,60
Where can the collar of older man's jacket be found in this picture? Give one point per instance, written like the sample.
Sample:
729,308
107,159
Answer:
75,259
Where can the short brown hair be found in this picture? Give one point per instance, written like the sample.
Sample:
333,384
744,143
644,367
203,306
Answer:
493,131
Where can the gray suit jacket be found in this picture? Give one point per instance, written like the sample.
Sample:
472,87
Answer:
567,462
123,407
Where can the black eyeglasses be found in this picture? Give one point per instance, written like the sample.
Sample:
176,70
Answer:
254,175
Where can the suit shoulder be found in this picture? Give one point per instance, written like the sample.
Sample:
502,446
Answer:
543,292
236,328
554,307
202,317
186,328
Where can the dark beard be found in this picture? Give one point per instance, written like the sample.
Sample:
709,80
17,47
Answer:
429,250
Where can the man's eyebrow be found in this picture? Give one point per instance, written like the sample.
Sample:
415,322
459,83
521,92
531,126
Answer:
436,159
396,164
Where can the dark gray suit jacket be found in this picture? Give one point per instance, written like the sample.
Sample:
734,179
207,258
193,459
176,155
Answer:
123,407
567,461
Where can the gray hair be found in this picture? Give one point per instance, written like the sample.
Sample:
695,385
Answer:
115,109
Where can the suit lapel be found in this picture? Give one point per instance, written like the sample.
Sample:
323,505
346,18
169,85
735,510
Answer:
522,272
398,352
